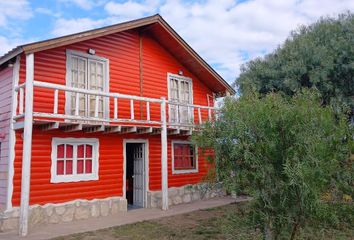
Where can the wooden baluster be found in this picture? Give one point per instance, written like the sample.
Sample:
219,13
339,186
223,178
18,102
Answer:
21,101
56,94
96,106
115,108
77,104
199,116
148,111
131,109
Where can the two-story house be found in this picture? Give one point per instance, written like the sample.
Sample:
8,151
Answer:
94,122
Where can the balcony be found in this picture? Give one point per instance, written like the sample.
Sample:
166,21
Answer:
74,109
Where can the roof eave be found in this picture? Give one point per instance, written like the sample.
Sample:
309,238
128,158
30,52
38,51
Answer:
10,55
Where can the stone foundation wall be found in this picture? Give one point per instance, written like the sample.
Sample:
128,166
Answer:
185,194
64,212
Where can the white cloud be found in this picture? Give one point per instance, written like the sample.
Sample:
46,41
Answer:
47,11
68,26
15,10
84,4
132,9
6,44
226,33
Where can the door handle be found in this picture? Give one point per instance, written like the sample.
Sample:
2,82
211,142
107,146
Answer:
133,176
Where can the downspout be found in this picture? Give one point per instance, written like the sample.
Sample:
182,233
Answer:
141,71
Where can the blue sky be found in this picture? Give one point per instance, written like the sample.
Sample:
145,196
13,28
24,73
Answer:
226,33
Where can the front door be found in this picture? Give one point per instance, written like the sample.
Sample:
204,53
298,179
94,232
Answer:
138,177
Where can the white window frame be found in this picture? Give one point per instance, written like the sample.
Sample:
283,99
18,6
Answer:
176,171
191,96
75,177
69,54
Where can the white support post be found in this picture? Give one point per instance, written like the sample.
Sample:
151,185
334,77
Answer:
27,147
115,108
55,110
164,169
132,109
148,111
209,114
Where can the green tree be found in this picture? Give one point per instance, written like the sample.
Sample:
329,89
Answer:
320,55
285,152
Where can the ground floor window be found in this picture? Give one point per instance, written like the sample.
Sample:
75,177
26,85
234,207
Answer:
74,159
184,157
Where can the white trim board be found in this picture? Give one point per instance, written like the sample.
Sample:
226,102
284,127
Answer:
75,177
146,165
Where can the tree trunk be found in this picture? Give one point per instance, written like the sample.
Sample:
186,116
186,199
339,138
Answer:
295,230
268,232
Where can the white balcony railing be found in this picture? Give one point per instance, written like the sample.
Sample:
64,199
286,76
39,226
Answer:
122,113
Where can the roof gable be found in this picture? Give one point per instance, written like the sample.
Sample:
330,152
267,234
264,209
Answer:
158,28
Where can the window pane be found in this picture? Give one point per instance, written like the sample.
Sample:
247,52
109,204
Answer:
184,156
81,151
69,167
88,166
89,151
60,167
80,166
69,151
60,151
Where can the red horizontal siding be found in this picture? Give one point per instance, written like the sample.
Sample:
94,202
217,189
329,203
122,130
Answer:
122,50
42,191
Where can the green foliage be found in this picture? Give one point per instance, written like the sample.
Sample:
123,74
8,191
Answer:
320,55
285,152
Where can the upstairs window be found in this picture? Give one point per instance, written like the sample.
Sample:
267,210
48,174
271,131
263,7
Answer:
74,159
180,91
87,72
184,157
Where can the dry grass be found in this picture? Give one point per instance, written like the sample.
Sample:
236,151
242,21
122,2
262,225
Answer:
227,222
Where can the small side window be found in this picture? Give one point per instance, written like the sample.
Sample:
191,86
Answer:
184,157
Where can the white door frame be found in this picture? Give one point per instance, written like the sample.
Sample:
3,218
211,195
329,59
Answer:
146,165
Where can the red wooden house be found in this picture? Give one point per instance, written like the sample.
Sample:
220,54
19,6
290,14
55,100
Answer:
96,121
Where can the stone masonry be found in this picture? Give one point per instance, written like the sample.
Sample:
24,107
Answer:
65,212
185,194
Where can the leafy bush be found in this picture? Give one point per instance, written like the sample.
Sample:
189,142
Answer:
285,152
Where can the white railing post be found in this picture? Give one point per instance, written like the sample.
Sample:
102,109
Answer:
164,169
55,110
27,147
96,106
21,101
199,116
209,114
77,104
148,111
132,109
115,108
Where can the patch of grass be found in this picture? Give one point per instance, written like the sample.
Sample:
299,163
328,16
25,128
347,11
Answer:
227,222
